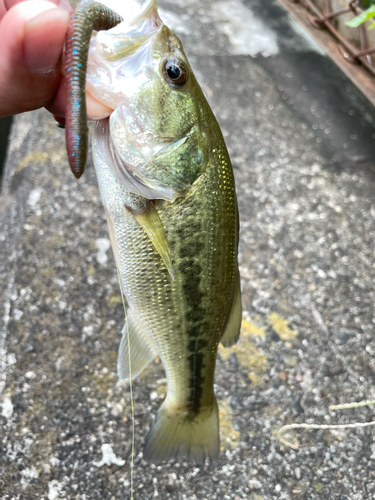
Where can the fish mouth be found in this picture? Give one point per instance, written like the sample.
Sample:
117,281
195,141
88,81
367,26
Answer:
133,11
125,39
122,54
95,109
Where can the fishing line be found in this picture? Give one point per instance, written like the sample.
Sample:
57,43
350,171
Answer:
131,389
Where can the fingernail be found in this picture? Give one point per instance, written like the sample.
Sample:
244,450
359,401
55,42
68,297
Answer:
41,56
64,4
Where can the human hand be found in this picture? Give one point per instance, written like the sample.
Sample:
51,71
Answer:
32,35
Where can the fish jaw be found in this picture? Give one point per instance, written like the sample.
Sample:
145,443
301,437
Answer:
133,11
95,109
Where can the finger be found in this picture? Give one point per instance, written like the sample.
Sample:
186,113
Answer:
5,5
2,9
32,34
58,103
10,3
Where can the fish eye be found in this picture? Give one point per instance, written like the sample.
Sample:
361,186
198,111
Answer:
175,72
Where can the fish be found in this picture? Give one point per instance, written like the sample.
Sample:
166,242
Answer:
168,191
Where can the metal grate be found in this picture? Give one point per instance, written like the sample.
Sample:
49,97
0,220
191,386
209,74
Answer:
357,45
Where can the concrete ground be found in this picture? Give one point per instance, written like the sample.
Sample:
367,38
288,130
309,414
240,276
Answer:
301,139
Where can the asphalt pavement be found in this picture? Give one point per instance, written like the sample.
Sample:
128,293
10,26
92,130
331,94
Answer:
301,139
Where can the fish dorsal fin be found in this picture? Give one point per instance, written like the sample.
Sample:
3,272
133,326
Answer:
150,221
142,349
232,331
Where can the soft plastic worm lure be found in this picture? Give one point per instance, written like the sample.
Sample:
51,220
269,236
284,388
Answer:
87,16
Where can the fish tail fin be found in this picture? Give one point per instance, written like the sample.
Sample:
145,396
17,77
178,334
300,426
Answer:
175,434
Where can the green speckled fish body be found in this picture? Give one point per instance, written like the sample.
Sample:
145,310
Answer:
166,179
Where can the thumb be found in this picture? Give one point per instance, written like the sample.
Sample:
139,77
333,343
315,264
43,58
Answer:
32,35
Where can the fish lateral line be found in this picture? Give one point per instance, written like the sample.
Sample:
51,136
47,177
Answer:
148,218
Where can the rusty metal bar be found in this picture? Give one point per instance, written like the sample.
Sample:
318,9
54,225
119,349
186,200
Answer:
327,17
365,52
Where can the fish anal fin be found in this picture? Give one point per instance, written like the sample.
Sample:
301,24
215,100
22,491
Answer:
176,433
152,225
232,331
142,349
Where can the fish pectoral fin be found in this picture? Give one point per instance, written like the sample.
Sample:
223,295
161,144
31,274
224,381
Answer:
176,433
232,331
142,349
150,221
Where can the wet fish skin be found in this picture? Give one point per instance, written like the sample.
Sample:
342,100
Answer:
166,140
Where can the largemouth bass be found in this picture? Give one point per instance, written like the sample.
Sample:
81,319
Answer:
168,191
